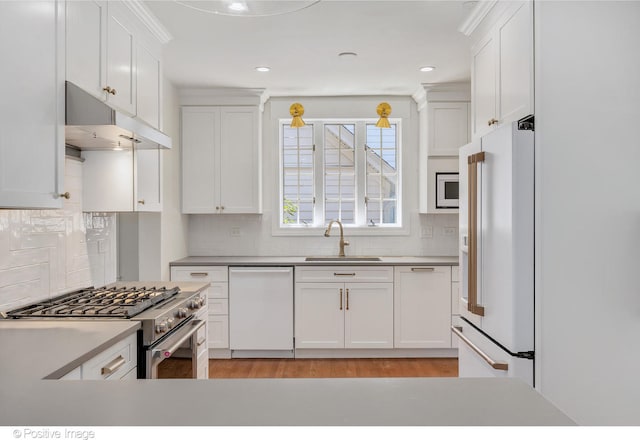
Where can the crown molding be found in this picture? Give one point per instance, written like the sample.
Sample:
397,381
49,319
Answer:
476,16
420,97
144,14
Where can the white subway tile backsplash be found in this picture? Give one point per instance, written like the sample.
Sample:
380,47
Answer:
44,253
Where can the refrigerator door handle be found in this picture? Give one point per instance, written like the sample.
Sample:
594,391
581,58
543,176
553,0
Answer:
472,201
495,365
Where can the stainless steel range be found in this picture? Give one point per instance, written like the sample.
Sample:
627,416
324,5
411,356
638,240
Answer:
166,314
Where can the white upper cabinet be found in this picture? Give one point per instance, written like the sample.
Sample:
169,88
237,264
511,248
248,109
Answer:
148,86
87,45
121,81
220,160
122,181
502,69
32,109
448,127
110,56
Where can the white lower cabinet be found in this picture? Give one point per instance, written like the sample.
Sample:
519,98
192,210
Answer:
118,362
217,304
338,314
422,305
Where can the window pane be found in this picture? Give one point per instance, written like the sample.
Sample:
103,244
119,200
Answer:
339,172
297,178
382,174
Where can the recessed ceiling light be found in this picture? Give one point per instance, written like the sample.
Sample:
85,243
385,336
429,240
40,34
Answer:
427,69
263,69
347,54
238,6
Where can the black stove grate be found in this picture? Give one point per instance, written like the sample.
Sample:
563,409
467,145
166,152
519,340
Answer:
112,302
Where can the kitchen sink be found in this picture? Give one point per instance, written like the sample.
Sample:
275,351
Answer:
343,259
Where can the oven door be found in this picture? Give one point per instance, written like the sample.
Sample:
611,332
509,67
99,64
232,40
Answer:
165,349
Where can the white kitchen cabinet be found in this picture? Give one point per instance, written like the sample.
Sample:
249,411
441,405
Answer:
217,303
332,313
107,57
422,307
122,181
118,362
448,127
502,70
220,160
32,109
455,301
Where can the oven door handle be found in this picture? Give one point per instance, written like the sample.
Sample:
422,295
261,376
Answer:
165,350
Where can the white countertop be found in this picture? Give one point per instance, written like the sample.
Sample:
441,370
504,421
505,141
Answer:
277,402
300,261
38,349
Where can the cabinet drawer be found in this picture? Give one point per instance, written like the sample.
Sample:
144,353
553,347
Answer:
201,340
199,273
218,331
203,365
342,274
455,273
113,363
218,290
218,306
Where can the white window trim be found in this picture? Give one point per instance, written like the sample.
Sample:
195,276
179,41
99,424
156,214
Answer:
317,230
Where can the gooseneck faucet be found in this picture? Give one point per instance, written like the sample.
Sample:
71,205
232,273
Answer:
342,242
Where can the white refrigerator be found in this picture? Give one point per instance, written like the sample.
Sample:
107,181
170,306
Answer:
496,224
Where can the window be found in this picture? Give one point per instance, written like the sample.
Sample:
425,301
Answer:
344,170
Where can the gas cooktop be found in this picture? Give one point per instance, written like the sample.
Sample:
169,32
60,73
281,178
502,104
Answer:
105,302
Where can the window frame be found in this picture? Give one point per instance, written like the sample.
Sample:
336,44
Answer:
360,228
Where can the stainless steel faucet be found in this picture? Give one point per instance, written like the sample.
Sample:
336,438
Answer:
342,242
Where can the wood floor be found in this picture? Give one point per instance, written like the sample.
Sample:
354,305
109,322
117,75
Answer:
315,368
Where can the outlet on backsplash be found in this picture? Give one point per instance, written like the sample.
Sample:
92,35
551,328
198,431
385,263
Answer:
426,232
450,231
235,232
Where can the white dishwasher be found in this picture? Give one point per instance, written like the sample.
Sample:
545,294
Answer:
261,311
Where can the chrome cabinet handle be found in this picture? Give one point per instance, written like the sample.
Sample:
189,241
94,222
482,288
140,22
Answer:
198,274
494,364
338,274
422,269
113,366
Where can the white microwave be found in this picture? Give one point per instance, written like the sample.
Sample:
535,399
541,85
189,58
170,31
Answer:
447,191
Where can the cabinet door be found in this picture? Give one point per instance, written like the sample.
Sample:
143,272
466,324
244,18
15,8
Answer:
423,307
148,181
319,315
483,85
515,35
200,160
32,108
218,328
239,150
148,86
86,45
368,315
448,127
107,181
120,62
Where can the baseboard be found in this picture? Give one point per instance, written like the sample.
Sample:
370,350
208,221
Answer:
219,353
249,354
373,353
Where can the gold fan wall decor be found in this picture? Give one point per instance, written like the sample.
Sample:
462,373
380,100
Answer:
383,110
297,110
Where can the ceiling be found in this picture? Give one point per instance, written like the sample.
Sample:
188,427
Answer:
392,39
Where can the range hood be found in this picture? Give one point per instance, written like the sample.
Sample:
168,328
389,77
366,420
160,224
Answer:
92,125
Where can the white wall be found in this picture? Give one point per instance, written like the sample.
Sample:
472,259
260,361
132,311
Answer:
45,253
587,99
173,227
211,234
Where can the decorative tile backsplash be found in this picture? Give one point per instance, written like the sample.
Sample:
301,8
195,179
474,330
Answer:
44,253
